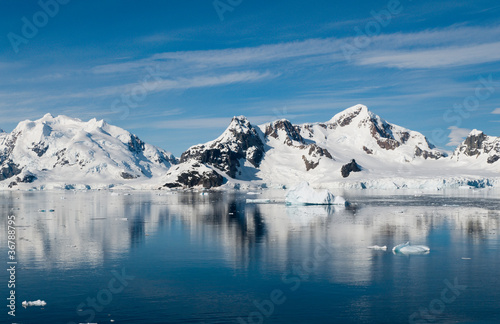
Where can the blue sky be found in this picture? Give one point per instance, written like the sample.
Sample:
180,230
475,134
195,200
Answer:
174,72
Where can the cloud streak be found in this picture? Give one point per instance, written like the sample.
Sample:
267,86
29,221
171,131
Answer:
435,58
457,135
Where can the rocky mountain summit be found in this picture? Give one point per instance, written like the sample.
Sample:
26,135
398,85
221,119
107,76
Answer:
478,146
354,149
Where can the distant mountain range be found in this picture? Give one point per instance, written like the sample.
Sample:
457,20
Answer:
354,149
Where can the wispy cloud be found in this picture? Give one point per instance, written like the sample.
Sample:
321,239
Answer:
457,135
447,47
496,111
435,58
234,57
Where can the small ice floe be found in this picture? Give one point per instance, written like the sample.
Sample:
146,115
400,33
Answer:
259,201
466,258
253,193
304,194
406,248
204,194
34,303
378,247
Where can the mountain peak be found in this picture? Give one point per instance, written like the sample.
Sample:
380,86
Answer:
47,116
344,117
59,119
476,132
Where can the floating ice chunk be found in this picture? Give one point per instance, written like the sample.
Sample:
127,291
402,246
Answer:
303,194
34,303
406,248
339,200
378,247
204,194
259,201
253,193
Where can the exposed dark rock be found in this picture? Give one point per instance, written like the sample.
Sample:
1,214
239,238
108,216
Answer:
128,176
367,150
385,131
9,145
492,159
348,119
473,144
8,170
61,159
316,150
172,185
426,154
405,136
388,144
309,164
292,132
27,178
40,148
135,145
350,167
194,178
226,155
12,184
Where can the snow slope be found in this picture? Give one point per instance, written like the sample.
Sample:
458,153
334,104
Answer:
354,149
63,152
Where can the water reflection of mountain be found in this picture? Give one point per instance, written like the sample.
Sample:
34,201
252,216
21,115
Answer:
87,228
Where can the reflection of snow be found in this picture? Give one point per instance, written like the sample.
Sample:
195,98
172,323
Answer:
87,227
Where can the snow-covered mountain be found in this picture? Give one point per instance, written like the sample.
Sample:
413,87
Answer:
66,152
354,149
478,149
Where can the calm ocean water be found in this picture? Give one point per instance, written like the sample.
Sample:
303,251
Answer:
146,257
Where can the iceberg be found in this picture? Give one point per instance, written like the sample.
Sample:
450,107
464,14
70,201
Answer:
34,303
406,248
303,194
378,247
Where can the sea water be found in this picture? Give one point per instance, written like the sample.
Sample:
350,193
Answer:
183,257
